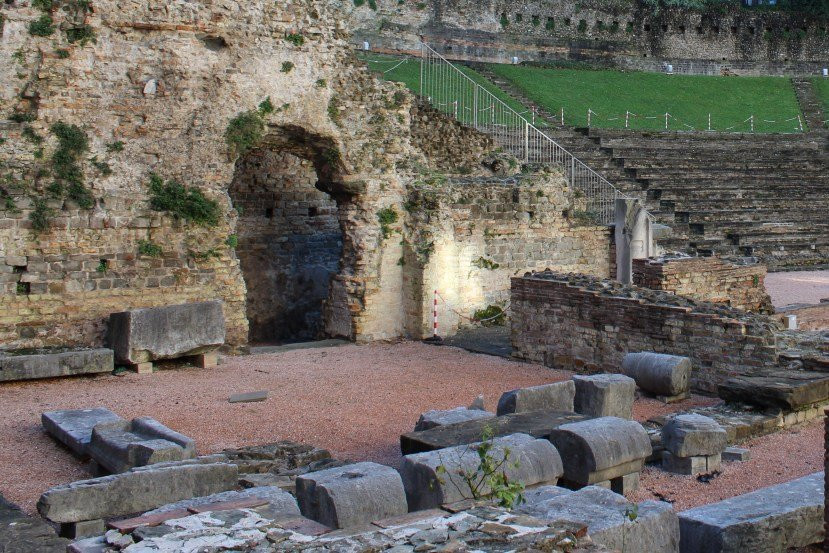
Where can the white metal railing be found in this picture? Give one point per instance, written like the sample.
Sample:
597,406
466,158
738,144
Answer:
452,91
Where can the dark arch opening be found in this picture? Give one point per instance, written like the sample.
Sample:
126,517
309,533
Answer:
290,239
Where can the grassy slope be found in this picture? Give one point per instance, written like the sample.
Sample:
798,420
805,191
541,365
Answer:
822,89
689,99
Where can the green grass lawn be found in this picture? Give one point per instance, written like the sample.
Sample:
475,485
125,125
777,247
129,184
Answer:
689,99
407,71
822,89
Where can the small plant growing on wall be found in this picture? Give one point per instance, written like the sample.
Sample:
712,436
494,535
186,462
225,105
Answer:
183,203
40,216
66,164
287,67
149,249
296,39
491,315
245,131
484,263
43,26
387,217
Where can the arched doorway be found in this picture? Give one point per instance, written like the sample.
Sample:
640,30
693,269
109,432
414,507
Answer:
289,235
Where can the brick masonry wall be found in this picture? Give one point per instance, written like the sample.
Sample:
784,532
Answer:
706,279
740,41
588,326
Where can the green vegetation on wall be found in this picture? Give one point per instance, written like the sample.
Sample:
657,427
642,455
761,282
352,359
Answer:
183,203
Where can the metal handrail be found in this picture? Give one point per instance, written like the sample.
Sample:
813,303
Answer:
454,92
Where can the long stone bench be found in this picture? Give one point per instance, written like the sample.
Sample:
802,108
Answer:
538,424
770,520
35,365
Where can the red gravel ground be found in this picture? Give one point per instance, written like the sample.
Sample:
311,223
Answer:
353,400
797,287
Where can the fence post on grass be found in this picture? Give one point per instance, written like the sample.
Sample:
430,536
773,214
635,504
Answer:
526,141
667,115
800,123
752,123
475,110
588,117
709,121
562,116
627,119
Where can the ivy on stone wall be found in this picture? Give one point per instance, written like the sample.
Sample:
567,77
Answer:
183,203
246,130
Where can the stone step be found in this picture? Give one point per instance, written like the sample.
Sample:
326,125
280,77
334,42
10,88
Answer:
768,520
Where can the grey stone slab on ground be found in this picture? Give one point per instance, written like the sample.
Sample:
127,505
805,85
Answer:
136,491
248,397
656,529
769,520
121,445
785,389
557,396
280,500
601,449
736,454
73,427
435,418
605,395
154,333
690,435
694,465
537,424
427,486
658,373
20,533
51,365
351,495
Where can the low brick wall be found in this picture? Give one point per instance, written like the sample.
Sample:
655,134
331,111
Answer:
587,325
706,279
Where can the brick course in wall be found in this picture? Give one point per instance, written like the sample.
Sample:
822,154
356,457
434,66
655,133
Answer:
706,279
588,325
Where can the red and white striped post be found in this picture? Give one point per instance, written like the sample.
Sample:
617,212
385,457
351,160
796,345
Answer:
435,313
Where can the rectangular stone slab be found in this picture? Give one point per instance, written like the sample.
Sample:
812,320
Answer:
134,492
790,390
764,521
248,397
73,427
154,333
537,424
50,365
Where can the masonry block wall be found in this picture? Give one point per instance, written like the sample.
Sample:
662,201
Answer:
468,236
738,40
588,325
707,279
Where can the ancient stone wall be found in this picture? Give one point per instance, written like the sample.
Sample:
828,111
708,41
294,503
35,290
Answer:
809,317
588,325
608,33
467,236
707,279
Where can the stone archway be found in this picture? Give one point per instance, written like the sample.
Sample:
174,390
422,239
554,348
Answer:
290,238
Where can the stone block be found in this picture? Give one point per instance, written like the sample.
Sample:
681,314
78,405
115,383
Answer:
769,520
155,333
692,435
21,533
121,445
656,529
788,390
279,500
601,449
98,544
694,465
249,397
604,395
557,396
736,454
432,419
51,365
537,424
427,486
135,491
351,495
626,484
658,373
207,360
83,529
73,427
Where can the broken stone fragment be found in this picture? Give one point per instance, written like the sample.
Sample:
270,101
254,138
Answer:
557,396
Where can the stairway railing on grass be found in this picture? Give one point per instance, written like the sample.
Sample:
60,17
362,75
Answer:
452,91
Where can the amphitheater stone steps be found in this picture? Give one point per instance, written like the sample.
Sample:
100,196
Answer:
810,104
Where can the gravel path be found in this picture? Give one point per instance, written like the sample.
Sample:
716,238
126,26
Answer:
353,400
797,287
